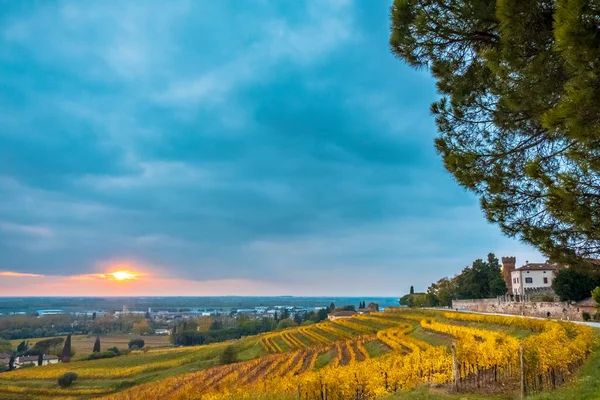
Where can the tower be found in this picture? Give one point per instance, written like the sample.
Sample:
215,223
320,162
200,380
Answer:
508,265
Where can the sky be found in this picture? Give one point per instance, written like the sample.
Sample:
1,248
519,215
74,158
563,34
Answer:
222,148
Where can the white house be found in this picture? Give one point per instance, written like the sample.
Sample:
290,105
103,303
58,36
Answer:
29,361
532,276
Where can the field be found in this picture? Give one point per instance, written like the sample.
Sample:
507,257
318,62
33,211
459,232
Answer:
84,344
396,353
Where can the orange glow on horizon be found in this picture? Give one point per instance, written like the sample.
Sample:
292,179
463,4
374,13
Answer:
123,275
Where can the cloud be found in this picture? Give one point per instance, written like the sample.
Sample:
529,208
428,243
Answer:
30,230
325,27
18,274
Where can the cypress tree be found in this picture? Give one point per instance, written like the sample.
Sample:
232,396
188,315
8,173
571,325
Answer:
412,290
97,345
22,347
66,351
40,360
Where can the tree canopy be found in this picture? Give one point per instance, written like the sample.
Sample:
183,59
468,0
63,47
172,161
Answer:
575,285
482,280
519,113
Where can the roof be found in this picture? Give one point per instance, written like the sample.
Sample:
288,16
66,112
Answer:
343,313
28,358
537,267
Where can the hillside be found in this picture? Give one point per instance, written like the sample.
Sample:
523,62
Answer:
363,357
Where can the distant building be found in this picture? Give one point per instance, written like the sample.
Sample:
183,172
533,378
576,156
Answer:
50,312
28,361
532,276
49,359
162,332
340,314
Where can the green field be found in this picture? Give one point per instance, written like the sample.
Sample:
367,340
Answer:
84,344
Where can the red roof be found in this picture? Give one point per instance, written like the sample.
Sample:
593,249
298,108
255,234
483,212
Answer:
537,267
343,313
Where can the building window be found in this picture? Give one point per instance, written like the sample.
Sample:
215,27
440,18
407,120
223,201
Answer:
544,271
514,280
545,280
528,280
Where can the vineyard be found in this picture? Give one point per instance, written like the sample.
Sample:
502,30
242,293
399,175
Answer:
365,357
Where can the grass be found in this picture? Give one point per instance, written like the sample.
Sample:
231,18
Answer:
324,358
433,338
249,349
84,344
376,348
519,333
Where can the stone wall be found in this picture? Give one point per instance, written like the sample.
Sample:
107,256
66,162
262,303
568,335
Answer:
563,311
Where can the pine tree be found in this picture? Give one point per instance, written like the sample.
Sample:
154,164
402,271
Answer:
66,351
518,112
331,307
97,345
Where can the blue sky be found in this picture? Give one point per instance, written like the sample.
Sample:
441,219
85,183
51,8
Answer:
274,143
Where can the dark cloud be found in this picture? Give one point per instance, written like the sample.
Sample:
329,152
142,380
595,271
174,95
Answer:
291,147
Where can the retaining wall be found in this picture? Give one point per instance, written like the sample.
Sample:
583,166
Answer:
563,311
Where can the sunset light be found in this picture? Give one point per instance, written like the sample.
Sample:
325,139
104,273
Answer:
123,275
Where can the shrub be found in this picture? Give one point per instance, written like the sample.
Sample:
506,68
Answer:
115,350
228,356
586,316
135,344
286,323
67,379
103,354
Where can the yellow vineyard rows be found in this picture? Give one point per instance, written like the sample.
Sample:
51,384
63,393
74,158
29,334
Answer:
478,349
312,337
350,372
286,374
397,340
355,326
554,351
246,374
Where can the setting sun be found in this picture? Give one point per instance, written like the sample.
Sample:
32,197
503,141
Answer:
123,275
